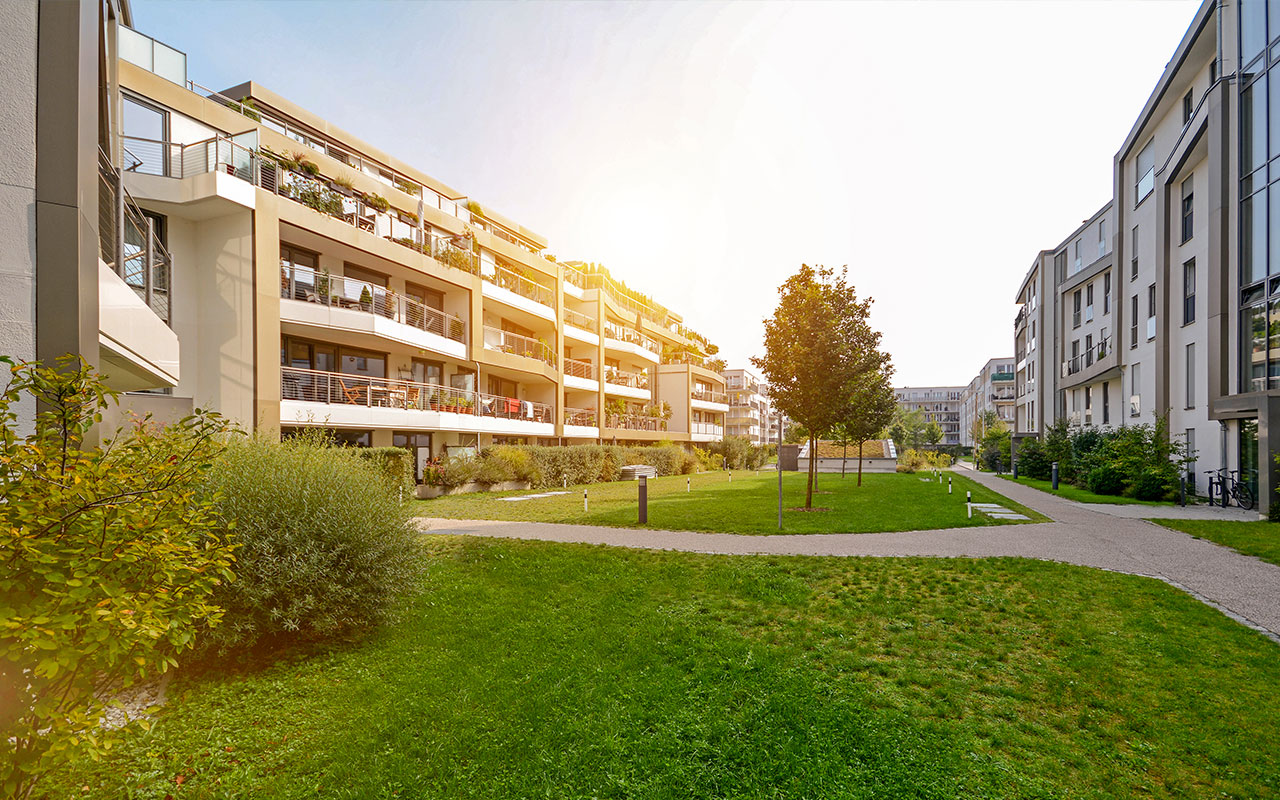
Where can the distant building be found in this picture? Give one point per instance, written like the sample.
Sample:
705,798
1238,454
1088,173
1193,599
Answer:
748,405
940,404
992,389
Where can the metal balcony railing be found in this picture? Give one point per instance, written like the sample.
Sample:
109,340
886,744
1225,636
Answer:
684,358
580,369
1086,359
307,285
617,377
516,344
579,320
706,428
613,330
173,160
128,244
520,284
635,422
708,396
341,389
585,417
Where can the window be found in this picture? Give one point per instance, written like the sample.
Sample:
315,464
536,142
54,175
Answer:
1187,108
1144,173
1135,392
1102,238
1088,303
1187,210
1133,254
1191,375
144,127
1075,309
1088,405
1088,350
1133,322
1191,456
1106,293
1253,238
1189,292
1106,403
1151,311
1075,255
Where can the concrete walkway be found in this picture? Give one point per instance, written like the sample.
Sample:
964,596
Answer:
1243,587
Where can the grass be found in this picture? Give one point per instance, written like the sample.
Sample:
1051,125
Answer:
530,669
1069,492
747,504
1260,539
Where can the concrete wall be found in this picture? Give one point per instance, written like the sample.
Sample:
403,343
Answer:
18,186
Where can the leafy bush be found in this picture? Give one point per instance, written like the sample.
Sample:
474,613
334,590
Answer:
1105,479
1057,447
1153,483
544,467
738,452
1033,460
394,465
326,547
110,563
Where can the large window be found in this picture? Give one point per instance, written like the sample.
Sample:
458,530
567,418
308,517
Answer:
1151,311
1133,254
1106,293
1133,322
1253,355
1088,302
1144,173
145,128
1102,238
1135,390
1188,210
1189,292
1075,309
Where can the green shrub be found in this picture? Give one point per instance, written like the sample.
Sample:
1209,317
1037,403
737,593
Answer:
394,465
1153,483
1057,447
1033,460
326,547
1105,479
110,564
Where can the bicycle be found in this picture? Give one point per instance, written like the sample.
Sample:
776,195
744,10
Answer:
1229,487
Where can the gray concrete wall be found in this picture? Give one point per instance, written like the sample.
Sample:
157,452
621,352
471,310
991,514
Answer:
18,186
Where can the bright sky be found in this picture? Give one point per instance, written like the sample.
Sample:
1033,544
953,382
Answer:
703,151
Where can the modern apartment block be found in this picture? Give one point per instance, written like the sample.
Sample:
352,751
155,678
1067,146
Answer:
940,404
749,408
991,390
236,252
1172,315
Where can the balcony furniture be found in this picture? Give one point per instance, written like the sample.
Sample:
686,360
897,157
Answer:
356,395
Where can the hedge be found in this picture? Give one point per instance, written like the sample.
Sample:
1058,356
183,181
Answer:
394,465
547,466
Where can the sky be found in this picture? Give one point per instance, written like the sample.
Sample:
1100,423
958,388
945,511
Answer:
703,151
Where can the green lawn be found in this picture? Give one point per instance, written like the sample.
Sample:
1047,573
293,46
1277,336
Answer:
1261,539
1069,492
747,504
538,670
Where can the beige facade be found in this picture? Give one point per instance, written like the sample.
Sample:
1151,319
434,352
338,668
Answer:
299,277
992,390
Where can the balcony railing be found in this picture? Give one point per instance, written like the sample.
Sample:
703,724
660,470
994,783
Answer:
1085,360
580,369
576,277
128,244
584,417
307,285
173,160
706,428
617,377
579,320
708,396
516,344
338,388
636,422
612,330
684,358
521,285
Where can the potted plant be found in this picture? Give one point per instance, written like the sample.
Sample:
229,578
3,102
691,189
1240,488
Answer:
366,298
407,187
377,202
343,185
301,164
666,410
322,287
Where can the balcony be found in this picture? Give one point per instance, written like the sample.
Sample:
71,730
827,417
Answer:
1085,360
636,422
640,345
706,431
626,384
138,346
516,344
332,398
358,305
580,375
518,291
709,396
580,417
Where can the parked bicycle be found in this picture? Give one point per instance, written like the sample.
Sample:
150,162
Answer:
1227,487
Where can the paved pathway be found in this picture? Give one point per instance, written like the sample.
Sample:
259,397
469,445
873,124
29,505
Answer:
1093,536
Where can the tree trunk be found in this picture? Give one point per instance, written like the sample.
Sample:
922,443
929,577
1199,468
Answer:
860,462
813,462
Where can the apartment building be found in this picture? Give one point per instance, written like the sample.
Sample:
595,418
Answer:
940,404
749,408
1034,375
289,275
991,390
1187,264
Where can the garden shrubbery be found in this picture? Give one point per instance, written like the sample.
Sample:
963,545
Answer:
1139,461
913,460
325,545
738,453
544,467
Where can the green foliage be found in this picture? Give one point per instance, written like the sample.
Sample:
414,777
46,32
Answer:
249,108
737,452
377,202
913,460
544,467
1105,479
1033,460
906,428
994,451
312,193
1057,447
394,465
110,562
326,546
1153,483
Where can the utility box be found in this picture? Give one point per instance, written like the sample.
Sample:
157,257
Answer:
789,457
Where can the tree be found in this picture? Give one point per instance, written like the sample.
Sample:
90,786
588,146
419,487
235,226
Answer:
818,344
871,407
932,433
111,560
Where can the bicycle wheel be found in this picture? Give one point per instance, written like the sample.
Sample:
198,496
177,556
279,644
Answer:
1243,496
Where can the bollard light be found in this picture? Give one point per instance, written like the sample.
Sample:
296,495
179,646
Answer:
688,485
1055,476
948,485
584,501
644,500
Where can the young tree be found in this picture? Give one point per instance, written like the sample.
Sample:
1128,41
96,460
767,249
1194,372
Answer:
818,345
871,407
906,428
932,434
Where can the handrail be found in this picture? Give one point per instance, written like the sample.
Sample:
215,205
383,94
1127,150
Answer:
580,320
617,377
580,369
307,285
585,417
516,344
309,385
706,428
709,396
174,160
613,330
521,285
128,243
635,422
1086,359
